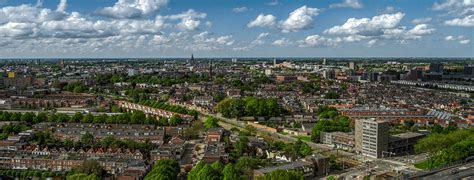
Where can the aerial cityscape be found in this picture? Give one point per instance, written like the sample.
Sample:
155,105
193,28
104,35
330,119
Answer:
236,90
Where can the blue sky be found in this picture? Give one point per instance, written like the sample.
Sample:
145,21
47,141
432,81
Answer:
236,28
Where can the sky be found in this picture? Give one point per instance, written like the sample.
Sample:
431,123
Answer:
236,28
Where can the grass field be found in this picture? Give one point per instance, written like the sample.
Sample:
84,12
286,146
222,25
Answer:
423,165
305,138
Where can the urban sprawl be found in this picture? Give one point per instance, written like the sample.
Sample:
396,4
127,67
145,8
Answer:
249,118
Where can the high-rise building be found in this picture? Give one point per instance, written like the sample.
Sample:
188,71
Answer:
436,67
468,70
352,65
210,68
62,63
371,137
324,61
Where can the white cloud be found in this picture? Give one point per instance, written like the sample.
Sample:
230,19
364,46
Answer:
240,9
260,39
62,6
368,27
299,19
421,29
282,42
461,39
421,20
389,9
203,41
465,41
161,39
372,42
348,4
189,20
272,3
459,7
125,9
319,41
385,26
467,21
262,21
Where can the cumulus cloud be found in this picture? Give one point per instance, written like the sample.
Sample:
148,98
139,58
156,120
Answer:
260,39
319,41
262,21
203,41
368,26
189,20
39,29
421,29
385,26
421,20
459,7
348,4
461,39
124,9
240,9
282,42
465,41
467,21
62,6
299,19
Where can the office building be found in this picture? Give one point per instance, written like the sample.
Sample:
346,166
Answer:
371,137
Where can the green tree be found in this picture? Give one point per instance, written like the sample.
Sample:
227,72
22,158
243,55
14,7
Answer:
89,118
82,176
91,167
207,173
218,166
175,120
193,174
28,117
78,89
230,173
164,169
41,117
137,117
211,123
77,117
87,138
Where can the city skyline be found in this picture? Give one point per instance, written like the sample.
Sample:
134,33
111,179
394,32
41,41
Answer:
210,28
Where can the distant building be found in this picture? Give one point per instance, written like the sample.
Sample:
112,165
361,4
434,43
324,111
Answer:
414,75
132,72
352,65
268,72
329,74
436,67
468,70
11,74
286,79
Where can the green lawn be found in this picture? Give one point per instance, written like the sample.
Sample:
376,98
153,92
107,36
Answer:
305,138
423,165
